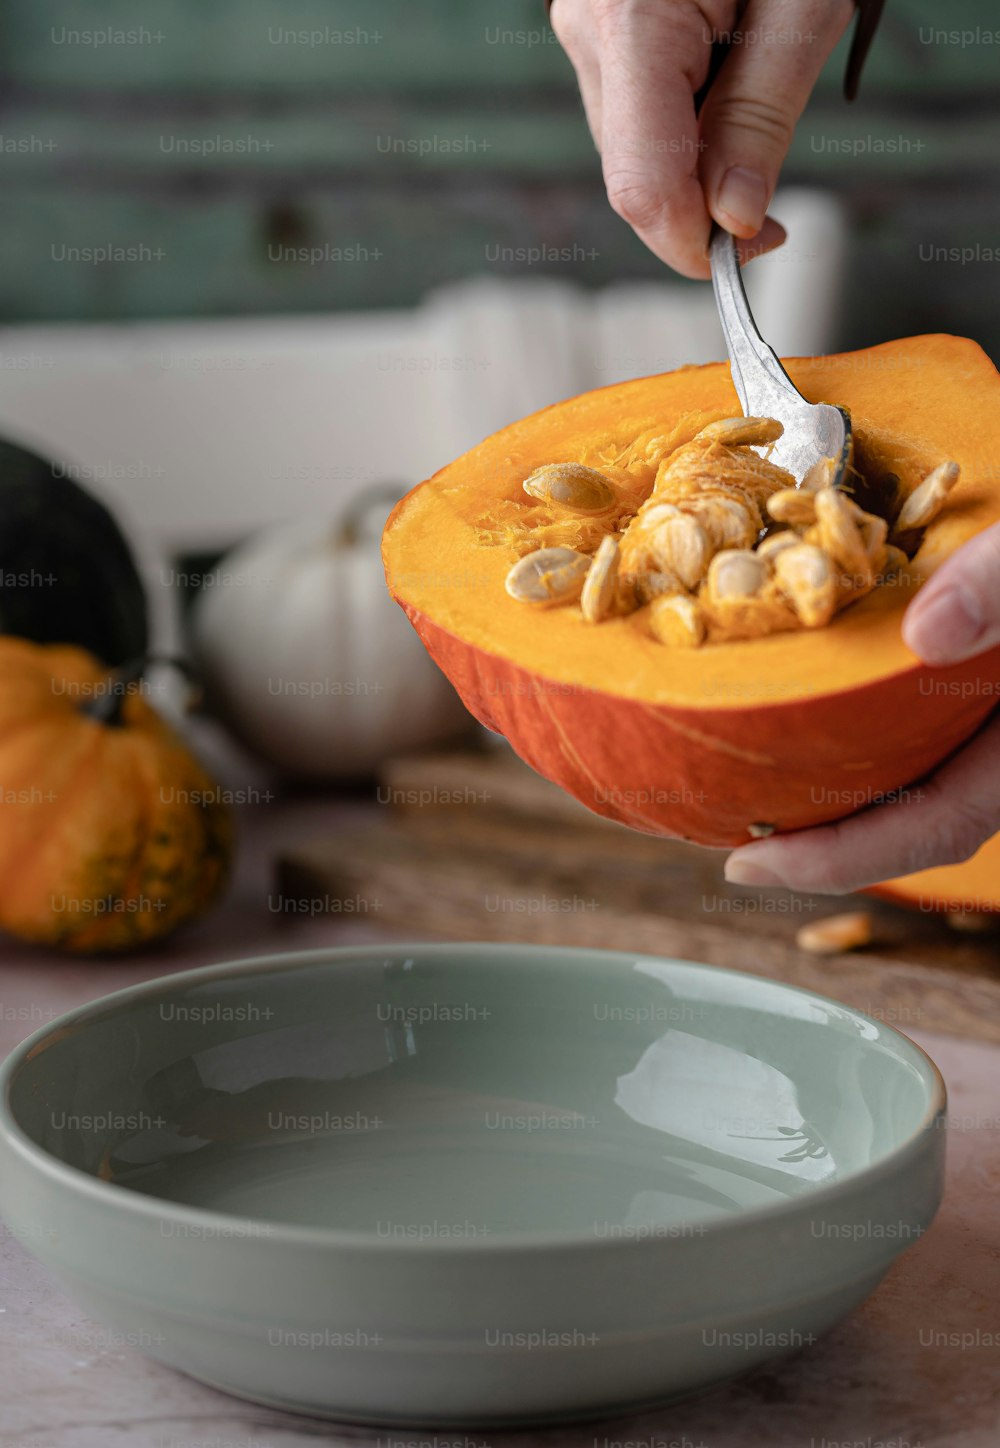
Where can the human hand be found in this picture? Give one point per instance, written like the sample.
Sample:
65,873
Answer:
670,173
955,616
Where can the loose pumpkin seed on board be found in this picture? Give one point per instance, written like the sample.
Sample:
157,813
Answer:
836,933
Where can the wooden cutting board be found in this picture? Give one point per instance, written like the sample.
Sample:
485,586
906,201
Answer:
473,845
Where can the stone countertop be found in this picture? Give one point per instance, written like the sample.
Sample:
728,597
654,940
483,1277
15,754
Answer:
917,1367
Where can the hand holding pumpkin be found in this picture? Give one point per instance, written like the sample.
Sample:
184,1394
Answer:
942,821
670,172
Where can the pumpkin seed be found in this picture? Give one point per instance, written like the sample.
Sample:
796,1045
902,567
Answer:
839,534
807,580
654,585
793,505
775,542
743,431
894,561
874,531
681,545
727,520
601,583
761,831
925,502
735,573
678,621
836,933
820,475
548,576
571,485
697,533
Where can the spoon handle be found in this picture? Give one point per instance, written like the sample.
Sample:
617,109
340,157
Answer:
762,384
811,430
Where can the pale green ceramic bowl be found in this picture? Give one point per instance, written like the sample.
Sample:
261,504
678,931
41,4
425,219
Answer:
468,1184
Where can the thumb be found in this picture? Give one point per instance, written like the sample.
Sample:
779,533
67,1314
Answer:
751,110
957,613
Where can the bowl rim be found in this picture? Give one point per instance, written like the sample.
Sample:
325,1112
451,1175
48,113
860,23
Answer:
214,1223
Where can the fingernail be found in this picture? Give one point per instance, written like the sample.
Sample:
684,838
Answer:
944,628
746,872
743,198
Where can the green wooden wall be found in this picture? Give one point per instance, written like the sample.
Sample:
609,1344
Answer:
177,157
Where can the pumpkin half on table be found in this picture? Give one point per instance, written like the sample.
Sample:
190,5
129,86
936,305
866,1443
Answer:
111,833
700,651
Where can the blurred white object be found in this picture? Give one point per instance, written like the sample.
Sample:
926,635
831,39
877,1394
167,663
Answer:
796,292
503,349
647,327
309,661
198,433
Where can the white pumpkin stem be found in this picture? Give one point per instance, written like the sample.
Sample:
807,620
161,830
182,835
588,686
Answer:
348,530
107,708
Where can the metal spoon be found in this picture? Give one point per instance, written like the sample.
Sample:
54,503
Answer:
813,430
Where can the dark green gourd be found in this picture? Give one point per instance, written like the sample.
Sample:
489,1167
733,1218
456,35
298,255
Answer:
67,575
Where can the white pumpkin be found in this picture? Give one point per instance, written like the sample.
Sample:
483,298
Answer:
305,656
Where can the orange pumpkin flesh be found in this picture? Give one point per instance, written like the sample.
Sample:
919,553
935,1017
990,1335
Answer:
792,730
111,835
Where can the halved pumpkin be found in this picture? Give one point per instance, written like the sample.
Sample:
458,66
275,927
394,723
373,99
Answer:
711,744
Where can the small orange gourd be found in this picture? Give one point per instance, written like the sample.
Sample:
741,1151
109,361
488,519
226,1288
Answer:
111,833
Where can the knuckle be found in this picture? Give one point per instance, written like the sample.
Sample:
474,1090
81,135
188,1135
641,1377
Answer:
635,199
963,826
612,16
770,120
664,13
612,12
565,20
663,27
947,826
